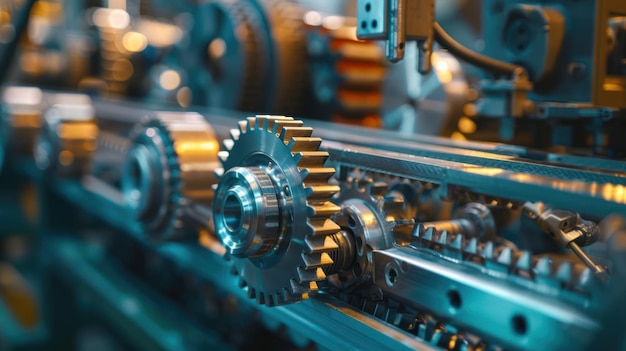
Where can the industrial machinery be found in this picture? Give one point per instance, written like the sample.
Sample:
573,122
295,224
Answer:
253,174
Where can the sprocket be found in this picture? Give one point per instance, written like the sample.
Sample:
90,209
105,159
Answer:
272,208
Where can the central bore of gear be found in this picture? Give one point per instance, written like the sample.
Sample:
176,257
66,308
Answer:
247,212
233,212
137,180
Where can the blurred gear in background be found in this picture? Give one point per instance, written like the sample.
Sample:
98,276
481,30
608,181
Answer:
347,74
247,55
168,169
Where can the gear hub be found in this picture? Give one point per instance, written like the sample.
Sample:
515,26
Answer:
272,208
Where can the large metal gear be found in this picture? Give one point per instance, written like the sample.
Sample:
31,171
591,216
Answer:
272,208
169,167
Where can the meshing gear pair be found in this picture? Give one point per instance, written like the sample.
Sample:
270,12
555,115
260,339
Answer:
272,208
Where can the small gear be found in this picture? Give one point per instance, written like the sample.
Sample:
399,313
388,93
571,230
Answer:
169,167
370,216
272,208
347,73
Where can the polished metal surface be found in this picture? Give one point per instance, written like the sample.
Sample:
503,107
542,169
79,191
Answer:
154,196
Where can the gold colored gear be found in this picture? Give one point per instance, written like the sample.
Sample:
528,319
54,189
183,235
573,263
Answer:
196,148
284,265
289,38
347,73
169,167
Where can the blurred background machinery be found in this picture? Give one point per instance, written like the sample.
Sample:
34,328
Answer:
312,175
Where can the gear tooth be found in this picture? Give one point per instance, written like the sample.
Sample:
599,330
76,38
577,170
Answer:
317,175
287,295
457,243
564,273
219,172
235,134
313,288
317,244
505,256
300,291
325,210
316,260
223,156
443,237
260,298
419,231
300,144
290,131
543,267
472,246
233,270
310,275
250,123
320,192
266,122
228,144
323,226
393,204
269,123
260,122
310,159
430,233
524,261
377,189
586,280
271,300
251,292
280,125
242,283
243,127
487,250
279,298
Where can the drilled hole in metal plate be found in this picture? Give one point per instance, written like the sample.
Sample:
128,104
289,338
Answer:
519,324
392,276
363,24
351,222
374,23
454,297
368,7
358,242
